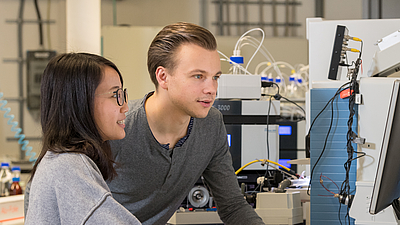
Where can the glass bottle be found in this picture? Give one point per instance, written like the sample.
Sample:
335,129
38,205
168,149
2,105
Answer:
279,82
15,188
301,88
16,171
291,90
236,66
5,179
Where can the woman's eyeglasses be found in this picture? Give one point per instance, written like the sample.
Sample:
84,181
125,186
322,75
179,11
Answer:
120,95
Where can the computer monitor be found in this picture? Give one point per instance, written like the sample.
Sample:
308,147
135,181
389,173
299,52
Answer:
337,58
386,189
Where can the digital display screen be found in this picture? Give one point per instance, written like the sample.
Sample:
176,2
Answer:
285,130
229,140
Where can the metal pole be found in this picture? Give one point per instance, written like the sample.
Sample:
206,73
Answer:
20,72
261,11
246,15
238,27
293,21
380,9
286,18
274,25
114,12
204,13
319,8
228,19
220,18
369,9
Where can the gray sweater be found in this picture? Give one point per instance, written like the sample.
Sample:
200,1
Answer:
151,184
68,188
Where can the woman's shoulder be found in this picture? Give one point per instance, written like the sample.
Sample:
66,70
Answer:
73,168
68,162
62,159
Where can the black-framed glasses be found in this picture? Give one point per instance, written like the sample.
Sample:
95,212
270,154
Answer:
120,94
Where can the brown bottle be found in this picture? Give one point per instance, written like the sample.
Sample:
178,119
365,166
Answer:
15,189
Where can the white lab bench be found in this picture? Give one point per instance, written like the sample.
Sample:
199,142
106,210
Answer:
12,210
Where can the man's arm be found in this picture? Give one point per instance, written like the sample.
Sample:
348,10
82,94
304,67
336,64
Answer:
232,207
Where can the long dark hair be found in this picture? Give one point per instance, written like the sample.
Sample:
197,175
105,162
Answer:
67,109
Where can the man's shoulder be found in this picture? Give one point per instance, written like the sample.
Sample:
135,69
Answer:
214,112
134,105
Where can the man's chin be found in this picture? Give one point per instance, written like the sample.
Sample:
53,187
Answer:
201,115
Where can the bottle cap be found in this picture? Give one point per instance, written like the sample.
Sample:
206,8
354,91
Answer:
15,179
5,164
291,78
16,168
300,80
264,79
278,80
237,59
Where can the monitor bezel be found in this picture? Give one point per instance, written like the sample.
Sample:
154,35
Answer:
388,158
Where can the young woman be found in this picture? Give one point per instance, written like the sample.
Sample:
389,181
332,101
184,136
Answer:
83,106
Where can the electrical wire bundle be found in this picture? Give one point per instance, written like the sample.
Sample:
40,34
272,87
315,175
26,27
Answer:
345,194
339,90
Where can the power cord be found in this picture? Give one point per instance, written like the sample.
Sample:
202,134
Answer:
277,96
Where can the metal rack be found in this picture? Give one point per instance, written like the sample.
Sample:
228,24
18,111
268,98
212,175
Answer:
241,21
20,61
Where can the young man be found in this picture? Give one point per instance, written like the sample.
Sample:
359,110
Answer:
174,135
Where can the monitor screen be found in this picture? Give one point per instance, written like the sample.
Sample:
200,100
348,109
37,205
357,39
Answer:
337,53
285,130
387,182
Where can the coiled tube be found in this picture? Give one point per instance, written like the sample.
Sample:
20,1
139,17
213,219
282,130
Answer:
17,130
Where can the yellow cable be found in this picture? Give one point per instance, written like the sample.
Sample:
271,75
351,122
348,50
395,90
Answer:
350,49
352,38
261,160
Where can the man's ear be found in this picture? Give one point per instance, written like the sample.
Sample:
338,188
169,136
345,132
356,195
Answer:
161,75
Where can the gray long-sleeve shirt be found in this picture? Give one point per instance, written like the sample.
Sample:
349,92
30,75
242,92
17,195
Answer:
152,184
68,188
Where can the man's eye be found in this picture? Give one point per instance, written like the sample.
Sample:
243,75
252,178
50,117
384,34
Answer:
197,76
216,77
